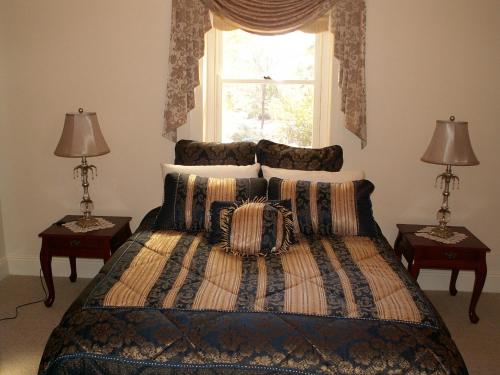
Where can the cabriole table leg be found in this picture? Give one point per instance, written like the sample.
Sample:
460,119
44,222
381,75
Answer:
397,248
480,278
72,264
46,263
453,282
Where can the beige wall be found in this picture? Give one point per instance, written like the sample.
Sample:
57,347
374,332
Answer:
106,56
425,60
3,125
4,267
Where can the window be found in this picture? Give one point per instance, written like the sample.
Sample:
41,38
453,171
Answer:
273,87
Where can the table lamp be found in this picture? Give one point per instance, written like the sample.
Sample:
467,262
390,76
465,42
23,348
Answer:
450,145
82,138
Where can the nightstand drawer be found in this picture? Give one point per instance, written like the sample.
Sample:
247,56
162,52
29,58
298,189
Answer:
447,255
74,243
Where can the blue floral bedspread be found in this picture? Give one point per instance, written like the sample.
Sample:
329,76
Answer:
332,306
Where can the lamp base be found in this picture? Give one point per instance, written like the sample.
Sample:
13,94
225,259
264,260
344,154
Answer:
441,232
87,222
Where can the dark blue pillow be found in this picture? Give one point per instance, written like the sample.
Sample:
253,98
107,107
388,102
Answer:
328,208
187,199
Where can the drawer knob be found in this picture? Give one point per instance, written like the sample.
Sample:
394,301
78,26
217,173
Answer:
74,243
450,255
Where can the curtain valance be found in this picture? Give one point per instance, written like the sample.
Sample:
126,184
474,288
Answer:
270,17
318,25
191,19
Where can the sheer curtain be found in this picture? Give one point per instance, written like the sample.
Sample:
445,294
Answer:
191,20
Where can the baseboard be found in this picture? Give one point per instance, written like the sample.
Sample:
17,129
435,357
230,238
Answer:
60,266
4,268
440,280
428,279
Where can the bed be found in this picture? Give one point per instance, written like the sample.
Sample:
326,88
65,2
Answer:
174,302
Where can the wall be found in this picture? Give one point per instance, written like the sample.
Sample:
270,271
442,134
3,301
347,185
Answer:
4,267
425,61
4,270
106,56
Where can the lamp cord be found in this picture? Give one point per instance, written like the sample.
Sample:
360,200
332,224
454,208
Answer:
29,303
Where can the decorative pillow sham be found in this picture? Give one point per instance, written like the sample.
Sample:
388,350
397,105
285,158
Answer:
256,228
187,198
212,153
276,155
315,176
328,208
217,211
218,171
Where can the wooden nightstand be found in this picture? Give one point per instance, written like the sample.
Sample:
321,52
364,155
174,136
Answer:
60,241
469,254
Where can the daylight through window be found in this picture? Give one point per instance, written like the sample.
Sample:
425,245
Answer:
267,87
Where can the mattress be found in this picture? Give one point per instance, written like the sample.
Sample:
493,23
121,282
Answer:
170,302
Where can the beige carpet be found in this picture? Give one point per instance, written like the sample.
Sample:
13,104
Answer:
22,340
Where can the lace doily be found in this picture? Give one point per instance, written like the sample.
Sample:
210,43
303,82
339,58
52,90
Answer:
455,238
101,224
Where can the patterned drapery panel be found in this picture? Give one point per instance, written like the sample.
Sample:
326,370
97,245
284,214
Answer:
348,24
190,20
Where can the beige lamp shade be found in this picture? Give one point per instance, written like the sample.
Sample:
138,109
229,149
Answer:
450,144
81,136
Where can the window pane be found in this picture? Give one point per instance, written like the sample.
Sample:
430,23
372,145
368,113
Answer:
282,57
279,112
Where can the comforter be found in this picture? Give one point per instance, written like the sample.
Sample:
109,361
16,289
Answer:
172,303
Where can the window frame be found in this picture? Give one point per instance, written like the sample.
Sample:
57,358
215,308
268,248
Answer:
213,81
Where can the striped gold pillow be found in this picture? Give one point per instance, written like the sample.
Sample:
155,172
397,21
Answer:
328,208
217,210
187,199
256,227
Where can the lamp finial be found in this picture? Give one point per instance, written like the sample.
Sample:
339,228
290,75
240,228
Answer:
452,118
80,110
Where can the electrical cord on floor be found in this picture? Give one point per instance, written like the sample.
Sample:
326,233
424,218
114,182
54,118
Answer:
29,303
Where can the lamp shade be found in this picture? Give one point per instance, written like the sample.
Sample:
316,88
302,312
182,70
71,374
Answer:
450,144
81,136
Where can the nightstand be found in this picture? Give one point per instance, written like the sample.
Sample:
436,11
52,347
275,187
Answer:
420,252
61,242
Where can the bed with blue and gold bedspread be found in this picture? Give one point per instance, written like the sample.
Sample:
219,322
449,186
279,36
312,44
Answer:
170,302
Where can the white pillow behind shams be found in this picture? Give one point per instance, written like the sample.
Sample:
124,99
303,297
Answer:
314,176
218,171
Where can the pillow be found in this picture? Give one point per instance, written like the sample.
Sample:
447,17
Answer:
256,228
277,155
187,198
212,153
316,176
218,208
219,171
328,208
